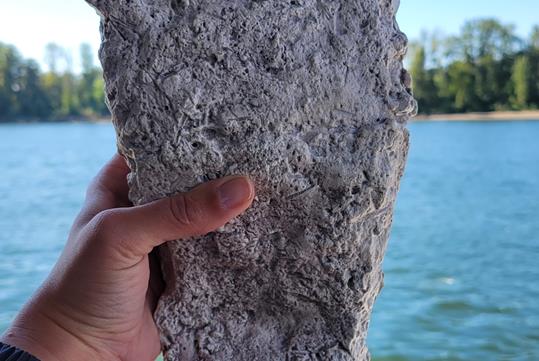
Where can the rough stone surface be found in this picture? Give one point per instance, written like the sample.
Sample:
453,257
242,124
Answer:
310,99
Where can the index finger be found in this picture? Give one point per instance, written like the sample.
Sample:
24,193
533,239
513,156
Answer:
111,180
107,190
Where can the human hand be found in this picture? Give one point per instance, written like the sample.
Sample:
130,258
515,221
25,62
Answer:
98,301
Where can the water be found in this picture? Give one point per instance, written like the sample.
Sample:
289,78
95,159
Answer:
462,275
462,265
44,170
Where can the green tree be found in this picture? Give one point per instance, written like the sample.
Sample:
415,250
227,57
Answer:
21,94
69,100
423,85
9,64
533,54
488,84
480,69
51,84
25,92
98,96
534,38
444,93
461,86
62,87
32,101
522,82
486,37
91,95
52,80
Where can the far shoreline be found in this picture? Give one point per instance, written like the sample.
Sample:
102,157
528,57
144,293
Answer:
76,120
499,116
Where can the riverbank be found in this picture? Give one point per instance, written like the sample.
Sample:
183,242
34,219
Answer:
56,120
457,117
481,116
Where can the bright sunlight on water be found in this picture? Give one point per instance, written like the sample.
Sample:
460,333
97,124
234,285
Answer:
461,268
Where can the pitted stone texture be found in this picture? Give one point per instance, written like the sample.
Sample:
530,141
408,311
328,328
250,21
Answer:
309,98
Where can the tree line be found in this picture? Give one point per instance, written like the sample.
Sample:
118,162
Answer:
486,67
27,93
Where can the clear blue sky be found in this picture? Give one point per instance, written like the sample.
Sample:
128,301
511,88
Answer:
31,24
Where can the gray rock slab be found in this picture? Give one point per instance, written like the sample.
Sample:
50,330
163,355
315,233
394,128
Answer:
308,97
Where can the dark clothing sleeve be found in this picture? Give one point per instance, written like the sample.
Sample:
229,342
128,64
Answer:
10,353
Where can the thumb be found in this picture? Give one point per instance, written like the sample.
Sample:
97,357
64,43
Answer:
137,230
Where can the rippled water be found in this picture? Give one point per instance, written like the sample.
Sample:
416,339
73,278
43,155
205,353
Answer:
462,267
462,274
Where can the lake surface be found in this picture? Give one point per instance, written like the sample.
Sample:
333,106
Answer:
462,267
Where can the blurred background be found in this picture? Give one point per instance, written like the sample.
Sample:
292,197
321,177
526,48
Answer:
461,267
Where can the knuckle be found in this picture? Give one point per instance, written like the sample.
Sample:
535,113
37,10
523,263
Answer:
107,236
104,223
185,212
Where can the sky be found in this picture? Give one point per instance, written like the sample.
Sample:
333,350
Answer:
31,24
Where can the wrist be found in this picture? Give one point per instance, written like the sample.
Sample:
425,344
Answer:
40,335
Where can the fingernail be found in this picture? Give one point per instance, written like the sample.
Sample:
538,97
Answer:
234,192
